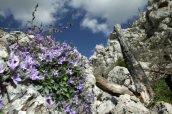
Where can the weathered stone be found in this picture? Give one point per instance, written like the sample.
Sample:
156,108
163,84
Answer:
153,24
161,107
120,75
105,107
128,105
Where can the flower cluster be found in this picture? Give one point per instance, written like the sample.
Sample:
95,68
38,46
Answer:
54,69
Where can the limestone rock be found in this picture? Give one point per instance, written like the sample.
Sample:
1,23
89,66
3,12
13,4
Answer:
151,26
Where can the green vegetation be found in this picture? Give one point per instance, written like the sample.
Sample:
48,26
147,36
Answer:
1,112
120,62
150,65
56,70
135,45
146,40
162,92
160,87
153,46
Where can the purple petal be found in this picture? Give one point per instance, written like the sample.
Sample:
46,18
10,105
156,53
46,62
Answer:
15,82
40,78
1,67
18,79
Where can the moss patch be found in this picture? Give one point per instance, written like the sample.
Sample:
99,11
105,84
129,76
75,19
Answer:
153,46
146,40
162,92
120,62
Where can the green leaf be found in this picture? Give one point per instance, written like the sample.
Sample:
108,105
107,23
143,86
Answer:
71,90
74,71
39,87
41,74
78,68
54,63
55,88
56,85
47,67
57,91
49,87
64,69
71,67
65,78
64,83
61,84
46,90
73,58
52,81
67,95
65,89
61,97
69,57
63,74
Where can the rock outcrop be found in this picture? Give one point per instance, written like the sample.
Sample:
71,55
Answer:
151,30
152,26
24,98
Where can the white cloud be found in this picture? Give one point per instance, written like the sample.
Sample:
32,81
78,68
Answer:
52,11
94,26
112,11
76,15
92,51
22,11
101,44
2,13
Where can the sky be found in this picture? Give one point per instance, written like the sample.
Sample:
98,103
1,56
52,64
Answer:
92,20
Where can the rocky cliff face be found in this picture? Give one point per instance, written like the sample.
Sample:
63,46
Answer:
150,37
149,34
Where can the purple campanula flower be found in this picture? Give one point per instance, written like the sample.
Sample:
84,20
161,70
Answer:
34,73
12,65
63,102
86,109
46,73
79,86
55,72
66,109
16,78
75,47
77,91
60,61
74,64
0,102
72,111
70,80
81,81
48,96
90,94
71,61
75,99
1,68
69,71
91,101
52,102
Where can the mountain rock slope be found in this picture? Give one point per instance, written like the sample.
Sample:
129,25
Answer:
150,38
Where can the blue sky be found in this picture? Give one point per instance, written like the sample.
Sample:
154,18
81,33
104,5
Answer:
92,20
